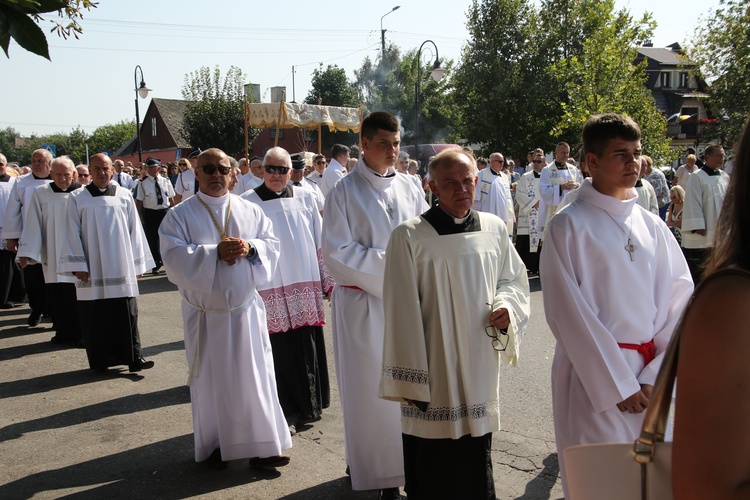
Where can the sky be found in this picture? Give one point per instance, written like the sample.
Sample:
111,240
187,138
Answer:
90,81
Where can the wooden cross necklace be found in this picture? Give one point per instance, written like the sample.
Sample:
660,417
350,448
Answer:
630,247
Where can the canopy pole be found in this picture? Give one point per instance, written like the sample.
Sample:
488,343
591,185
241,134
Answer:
278,118
320,132
244,108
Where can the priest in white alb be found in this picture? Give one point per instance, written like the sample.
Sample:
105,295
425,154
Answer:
456,305
360,212
295,309
529,233
556,180
106,249
42,241
615,283
218,249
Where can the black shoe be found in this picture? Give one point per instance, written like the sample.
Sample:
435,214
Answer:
390,494
79,344
140,364
215,462
34,318
277,461
57,340
8,305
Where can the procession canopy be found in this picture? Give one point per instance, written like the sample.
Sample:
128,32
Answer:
309,116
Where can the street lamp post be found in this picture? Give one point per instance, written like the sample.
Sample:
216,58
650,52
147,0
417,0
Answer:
142,91
437,74
382,31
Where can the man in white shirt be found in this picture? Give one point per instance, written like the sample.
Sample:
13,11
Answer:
122,178
155,196
336,169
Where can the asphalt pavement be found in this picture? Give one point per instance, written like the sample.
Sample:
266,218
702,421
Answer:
67,432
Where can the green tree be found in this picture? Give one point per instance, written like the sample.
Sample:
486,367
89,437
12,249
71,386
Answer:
604,79
722,55
214,116
330,87
19,20
8,143
111,137
496,83
389,84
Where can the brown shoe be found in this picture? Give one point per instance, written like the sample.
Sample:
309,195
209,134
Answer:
276,461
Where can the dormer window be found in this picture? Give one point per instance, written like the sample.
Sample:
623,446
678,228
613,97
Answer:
683,80
665,80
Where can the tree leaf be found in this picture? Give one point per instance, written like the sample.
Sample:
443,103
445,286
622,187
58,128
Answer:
26,33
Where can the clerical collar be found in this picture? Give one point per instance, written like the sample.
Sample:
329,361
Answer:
95,191
445,224
70,189
213,200
561,166
710,171
49,176
265,194
639,183
537,174
493,172
4,178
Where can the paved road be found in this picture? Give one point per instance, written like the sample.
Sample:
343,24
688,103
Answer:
67,432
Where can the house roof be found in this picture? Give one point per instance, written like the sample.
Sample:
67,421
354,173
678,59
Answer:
172,111
663,56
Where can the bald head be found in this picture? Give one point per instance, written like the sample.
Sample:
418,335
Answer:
101,170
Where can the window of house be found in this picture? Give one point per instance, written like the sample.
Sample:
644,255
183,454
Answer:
153,127
273,133
665,80
683,80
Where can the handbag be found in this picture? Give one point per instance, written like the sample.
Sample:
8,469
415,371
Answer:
628,471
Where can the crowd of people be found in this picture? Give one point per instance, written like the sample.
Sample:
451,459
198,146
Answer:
428,282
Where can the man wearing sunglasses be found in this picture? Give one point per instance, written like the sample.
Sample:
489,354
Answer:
294,296
456,304
218,248
84,178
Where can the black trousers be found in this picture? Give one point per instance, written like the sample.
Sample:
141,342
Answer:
12,288
110,331
65,311
151,222
448,468
523,246
33,276
695,258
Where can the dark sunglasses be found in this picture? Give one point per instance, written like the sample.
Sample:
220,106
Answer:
276,169
83,175
538,161
211,169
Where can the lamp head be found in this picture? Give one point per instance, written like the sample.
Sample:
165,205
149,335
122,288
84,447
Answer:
437,72
143,90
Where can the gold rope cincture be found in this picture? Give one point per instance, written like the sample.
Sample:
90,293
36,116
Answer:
223,233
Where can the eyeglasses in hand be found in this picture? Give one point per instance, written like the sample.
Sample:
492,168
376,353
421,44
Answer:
499,338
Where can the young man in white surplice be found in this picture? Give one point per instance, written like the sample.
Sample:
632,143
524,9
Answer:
615,283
